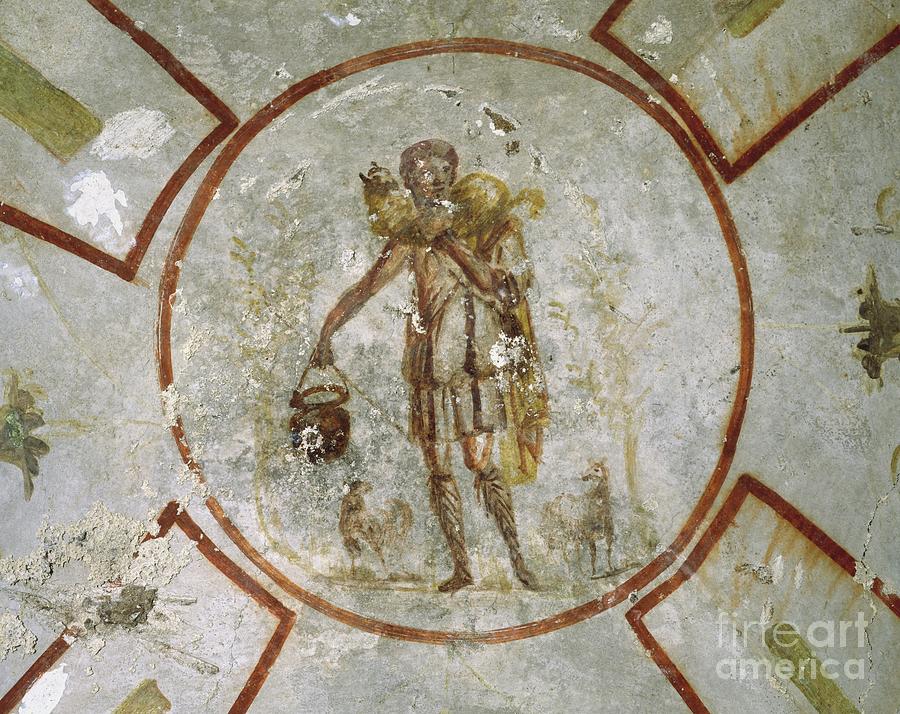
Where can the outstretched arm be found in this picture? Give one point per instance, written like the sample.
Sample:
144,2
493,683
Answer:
385,268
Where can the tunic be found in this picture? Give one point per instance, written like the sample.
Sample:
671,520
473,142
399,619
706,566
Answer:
470,356
456,390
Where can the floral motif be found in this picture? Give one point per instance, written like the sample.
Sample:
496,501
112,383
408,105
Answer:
18,418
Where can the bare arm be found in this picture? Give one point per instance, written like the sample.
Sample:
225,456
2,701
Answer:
492,282
385,268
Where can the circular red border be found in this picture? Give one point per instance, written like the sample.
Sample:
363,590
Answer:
248,131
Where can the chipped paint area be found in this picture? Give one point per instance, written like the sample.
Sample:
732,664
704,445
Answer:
552,26
501,124
348,20
447,90
14,635
348,259
330,647
508,352
367,89
410,310
46,693
96,204
137,133
107,543
289,185
247,183
17,281
659,32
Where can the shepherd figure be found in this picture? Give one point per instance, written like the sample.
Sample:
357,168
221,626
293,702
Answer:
470,357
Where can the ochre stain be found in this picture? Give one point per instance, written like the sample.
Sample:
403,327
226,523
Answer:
751,16
785,643
782,532
145,699
58,122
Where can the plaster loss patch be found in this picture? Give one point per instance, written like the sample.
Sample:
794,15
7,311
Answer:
137,133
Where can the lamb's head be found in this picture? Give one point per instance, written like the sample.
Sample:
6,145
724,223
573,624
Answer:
379,180
597,471
391,210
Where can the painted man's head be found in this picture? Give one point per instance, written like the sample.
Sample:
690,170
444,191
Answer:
428,169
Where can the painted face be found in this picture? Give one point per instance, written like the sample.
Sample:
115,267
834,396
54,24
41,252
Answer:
429,178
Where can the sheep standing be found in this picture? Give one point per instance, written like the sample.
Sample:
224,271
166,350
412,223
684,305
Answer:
572,522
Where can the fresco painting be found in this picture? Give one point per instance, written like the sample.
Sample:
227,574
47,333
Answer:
516,357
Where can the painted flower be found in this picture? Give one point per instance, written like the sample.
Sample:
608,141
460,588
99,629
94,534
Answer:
18,418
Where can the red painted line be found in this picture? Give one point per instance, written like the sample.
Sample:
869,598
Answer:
602,33
173,515
250,129
41,666
127,268
747,485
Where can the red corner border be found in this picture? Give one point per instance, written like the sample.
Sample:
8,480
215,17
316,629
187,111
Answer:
171,515
730,171
127,268
746,485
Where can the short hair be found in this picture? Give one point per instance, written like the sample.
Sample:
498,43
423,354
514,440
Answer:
426,149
